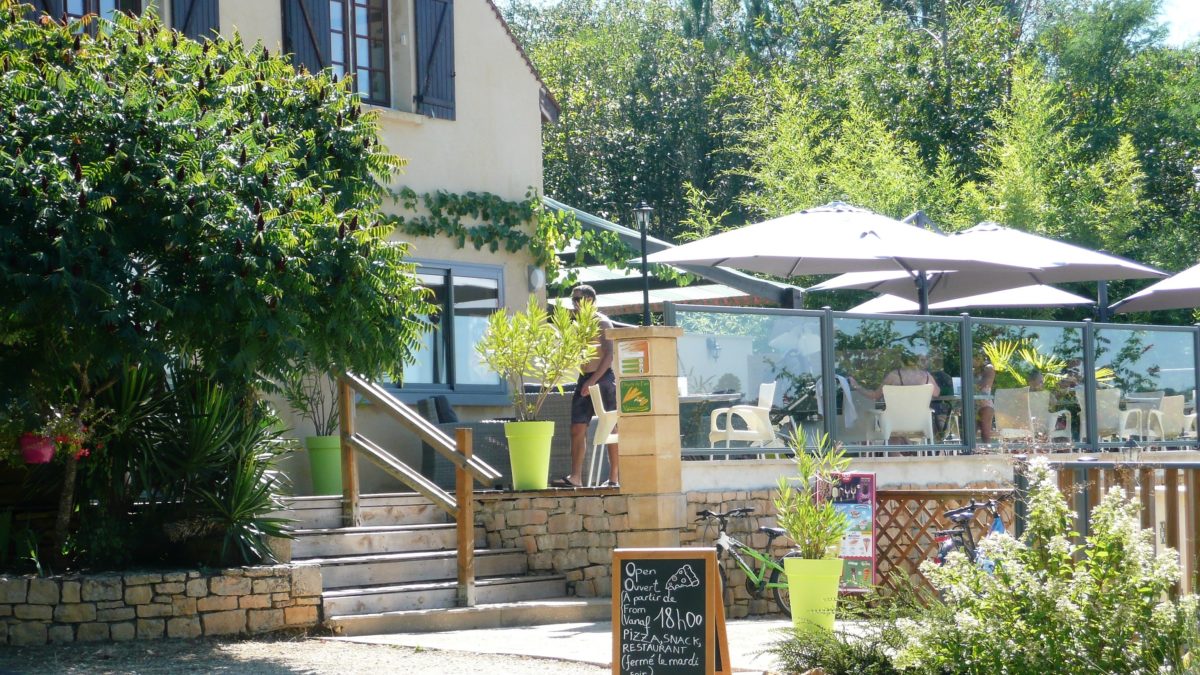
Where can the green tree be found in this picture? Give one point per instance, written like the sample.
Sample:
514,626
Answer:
162,198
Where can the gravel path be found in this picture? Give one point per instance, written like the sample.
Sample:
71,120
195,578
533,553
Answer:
269,656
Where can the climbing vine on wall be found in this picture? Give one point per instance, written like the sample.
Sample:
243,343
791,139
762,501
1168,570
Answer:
485,219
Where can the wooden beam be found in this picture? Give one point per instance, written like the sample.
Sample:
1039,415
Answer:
465,525
1147,489
350,507
424,429
404,473
1190,555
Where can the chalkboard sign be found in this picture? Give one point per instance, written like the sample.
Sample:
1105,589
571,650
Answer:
667,614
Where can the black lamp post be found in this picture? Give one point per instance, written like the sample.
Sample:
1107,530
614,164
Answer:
641,214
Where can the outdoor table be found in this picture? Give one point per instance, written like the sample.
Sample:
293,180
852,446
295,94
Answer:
694,410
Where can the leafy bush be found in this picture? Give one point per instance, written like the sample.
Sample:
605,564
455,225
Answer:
803,507
1045,611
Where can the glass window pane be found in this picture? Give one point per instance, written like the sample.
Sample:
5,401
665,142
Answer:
338,51
1148,372
336,13
339,70
1046,362
362,82
379,87
873,354
378,55
362,52
107,8
475,299
430,359
360,21
75,7
725,357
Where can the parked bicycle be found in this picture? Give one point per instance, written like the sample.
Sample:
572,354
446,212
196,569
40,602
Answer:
960,537
766,573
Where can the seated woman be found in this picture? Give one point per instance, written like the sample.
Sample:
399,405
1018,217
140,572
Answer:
911,371
985,408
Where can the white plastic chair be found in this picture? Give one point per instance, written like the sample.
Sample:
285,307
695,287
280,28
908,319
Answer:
1167,422
606,424
1111,421
1014,418
1045,420
907,413
758,432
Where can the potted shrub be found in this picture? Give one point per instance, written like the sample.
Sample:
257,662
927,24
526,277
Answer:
313,395
544,348
805,510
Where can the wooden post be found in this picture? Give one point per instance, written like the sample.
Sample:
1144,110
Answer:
465,522
1190,555
350,512
1171,504
1147,490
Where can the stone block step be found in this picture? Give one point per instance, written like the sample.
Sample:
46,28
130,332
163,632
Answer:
528,613
402,508
422,566
442,594
340,541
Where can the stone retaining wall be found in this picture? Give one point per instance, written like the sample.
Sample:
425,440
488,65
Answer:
575,536
153,605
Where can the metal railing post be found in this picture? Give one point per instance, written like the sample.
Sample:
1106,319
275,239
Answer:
1089,385
350,509
828,376
1021,482
465,522
967,377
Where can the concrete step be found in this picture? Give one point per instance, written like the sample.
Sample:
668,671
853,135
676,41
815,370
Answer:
411,567
528,613
404,508
441,594
340,541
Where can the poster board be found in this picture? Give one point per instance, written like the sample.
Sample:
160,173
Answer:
667,614
854,495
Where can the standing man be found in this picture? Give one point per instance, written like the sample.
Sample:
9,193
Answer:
597,371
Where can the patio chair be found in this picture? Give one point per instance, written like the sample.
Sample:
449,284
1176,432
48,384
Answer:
1111,421
1046,421
758,432
907,412
1013,416
864,430
606,425
1167,422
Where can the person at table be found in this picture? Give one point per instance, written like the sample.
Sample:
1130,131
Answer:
985,409
910,372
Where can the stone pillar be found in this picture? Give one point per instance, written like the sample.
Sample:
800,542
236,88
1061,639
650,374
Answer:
646,367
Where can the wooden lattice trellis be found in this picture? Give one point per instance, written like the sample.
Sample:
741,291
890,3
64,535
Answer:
905,521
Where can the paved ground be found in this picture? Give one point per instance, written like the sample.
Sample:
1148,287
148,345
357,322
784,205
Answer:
582,642
563,649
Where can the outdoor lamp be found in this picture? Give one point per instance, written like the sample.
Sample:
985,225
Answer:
641,215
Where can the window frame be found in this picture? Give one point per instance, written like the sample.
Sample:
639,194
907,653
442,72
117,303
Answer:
471,394
349,34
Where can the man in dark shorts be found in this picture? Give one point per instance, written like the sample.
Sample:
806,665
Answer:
597,371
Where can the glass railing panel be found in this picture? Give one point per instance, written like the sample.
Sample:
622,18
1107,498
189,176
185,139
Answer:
726,357
1146,377
1028,384
874,352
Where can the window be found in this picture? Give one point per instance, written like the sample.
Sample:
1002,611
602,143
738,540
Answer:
465,295
359,46
350,36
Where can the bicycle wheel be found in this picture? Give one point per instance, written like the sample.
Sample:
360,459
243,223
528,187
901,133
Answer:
726,591
779,588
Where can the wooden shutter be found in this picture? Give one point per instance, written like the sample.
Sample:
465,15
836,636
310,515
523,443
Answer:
52,7
197,19
435,58
306,33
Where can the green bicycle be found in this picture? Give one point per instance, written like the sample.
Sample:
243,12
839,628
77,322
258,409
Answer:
766,574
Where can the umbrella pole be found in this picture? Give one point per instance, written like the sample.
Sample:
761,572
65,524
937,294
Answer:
1102,301
922,293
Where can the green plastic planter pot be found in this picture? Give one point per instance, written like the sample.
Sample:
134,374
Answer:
325,464
529,453
813,587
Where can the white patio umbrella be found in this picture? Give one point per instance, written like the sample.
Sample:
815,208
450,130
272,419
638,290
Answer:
1054,262
1025,296
837,238
1178,292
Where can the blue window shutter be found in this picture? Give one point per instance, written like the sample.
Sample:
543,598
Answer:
306,33
435,58
197,19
